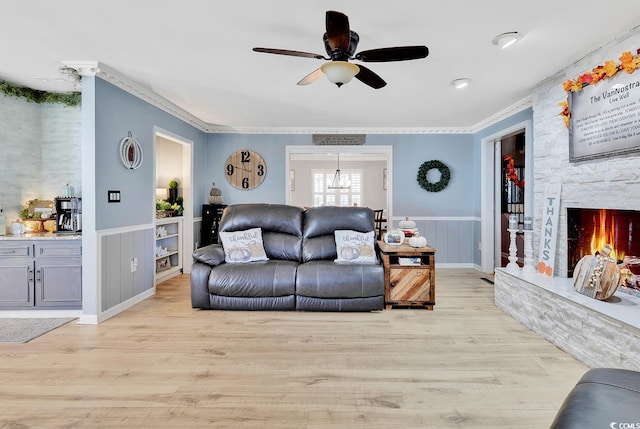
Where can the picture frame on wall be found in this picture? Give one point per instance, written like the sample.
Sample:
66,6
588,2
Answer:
604,119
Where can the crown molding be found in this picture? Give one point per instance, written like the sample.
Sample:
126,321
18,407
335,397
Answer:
84,68
516,107
339,130
115,78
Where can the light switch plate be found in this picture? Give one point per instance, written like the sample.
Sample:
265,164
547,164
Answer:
113,196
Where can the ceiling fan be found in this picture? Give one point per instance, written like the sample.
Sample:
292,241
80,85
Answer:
341,43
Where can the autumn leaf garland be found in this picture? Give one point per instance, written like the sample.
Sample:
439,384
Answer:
628,62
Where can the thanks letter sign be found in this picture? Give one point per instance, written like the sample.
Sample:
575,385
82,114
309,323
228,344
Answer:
549,229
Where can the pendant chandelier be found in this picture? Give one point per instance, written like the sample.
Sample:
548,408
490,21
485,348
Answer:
339,181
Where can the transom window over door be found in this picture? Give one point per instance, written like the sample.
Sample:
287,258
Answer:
348,195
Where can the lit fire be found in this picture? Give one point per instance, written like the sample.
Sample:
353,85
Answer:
605,234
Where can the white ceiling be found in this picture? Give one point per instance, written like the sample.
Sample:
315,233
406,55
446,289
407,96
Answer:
197,54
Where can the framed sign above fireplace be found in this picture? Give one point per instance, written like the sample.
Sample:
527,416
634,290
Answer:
605,118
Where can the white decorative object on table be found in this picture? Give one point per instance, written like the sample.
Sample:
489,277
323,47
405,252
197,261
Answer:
18,228
394,237
406,224
418,241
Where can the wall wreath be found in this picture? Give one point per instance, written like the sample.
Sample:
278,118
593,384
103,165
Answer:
445,176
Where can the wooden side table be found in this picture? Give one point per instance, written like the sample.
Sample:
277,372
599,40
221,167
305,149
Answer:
409,275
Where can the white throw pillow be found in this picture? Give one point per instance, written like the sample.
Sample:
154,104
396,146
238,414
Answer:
355,247
243,246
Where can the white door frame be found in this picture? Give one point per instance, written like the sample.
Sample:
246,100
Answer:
378,149
187,190
489,175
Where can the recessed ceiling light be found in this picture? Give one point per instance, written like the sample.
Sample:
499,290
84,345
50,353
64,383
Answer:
461,83
504,40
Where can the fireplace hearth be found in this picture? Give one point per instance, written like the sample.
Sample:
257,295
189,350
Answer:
590,229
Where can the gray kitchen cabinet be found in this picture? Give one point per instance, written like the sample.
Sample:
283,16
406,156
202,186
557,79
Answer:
16,275
38,274
58,274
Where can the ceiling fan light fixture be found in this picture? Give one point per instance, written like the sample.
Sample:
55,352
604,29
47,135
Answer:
461,83
504,40
340,72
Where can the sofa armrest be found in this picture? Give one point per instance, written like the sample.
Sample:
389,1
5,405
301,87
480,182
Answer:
212,254
200,285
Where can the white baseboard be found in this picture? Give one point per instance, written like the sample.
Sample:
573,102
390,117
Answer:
453,265
91,319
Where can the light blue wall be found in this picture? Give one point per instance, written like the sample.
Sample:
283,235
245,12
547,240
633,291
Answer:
270,146
117,113
409,152
450,234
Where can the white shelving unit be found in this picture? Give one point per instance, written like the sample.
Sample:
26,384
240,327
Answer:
168,248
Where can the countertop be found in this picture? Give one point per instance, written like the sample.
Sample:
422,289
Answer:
42,236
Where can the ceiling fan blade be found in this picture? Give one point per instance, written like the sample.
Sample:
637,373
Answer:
338,34
311,77
290,53
400,53
368,77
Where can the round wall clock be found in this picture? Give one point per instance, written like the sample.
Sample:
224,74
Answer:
245,169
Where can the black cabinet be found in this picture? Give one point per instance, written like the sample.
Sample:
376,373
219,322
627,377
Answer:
211,214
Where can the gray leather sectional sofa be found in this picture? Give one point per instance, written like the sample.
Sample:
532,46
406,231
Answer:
602,398
300,273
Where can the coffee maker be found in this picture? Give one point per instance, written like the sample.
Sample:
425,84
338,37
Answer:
68,214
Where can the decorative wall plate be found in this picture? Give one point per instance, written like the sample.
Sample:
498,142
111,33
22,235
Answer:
130,152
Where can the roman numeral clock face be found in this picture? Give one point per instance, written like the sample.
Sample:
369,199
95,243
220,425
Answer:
245,169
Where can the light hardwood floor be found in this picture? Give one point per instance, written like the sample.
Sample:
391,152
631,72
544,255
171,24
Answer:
162,364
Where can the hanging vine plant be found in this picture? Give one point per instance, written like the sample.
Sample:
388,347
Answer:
37,96
445,176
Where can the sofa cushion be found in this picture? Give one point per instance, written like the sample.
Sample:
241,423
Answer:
326,279
259,279
354,247
243,246
320,223
281,227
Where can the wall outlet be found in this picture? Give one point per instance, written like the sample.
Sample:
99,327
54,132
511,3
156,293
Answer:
134,265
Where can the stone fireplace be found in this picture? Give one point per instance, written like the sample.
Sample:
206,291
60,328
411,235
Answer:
598,333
